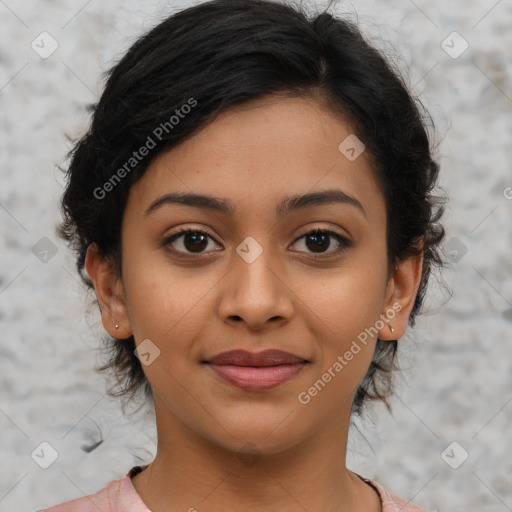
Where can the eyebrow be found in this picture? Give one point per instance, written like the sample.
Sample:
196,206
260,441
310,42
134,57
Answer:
287,205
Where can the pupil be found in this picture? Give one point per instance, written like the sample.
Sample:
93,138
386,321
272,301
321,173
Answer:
198,241
322,244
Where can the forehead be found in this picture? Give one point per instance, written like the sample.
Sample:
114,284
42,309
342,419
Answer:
261,151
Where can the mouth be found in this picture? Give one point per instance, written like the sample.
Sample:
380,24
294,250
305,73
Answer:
256,371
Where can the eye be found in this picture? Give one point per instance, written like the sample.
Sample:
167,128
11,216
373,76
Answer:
319,240
194,241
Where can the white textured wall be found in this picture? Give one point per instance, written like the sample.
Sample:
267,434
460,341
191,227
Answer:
458,385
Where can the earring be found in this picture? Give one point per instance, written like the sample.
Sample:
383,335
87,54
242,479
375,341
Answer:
392,328
117,326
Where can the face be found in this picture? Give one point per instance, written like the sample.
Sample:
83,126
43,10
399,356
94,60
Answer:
252,274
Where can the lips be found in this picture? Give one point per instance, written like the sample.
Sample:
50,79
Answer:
256,371
265,358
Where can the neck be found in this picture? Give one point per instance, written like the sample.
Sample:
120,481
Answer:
190,472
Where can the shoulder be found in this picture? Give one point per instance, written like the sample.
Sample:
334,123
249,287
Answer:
118,495
391,502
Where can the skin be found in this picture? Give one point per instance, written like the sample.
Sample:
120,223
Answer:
220,447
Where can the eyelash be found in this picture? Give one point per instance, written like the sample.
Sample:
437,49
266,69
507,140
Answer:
345,243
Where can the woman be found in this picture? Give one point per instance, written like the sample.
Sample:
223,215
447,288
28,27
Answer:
253,205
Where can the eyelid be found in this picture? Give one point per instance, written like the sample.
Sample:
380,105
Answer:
186,229
323,229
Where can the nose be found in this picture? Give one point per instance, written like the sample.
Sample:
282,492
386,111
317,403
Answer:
256,290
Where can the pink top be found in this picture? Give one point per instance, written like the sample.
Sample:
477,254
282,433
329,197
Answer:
121,496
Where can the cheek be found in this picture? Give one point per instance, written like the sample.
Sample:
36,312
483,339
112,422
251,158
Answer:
345,308
343,316
165,302
348,302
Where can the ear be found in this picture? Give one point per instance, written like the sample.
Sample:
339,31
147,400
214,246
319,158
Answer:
110,294
400,296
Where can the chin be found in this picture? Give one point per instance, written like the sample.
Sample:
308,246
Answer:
255,436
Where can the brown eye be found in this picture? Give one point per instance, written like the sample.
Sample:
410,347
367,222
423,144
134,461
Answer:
193,241
320,240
